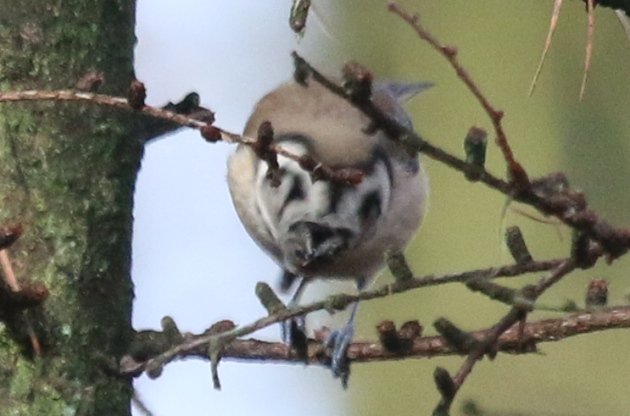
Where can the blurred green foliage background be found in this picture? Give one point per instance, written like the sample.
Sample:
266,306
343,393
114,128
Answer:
499,43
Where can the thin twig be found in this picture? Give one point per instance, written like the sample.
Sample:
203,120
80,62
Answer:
564,268
7,271
106,100
409,137
307,163
514,340
340,302
516,173
12,282
490,340
515,315
566,206
140,405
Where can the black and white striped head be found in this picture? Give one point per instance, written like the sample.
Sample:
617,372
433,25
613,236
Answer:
315,222
325,229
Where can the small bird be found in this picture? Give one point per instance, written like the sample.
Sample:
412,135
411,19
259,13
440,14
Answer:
323,229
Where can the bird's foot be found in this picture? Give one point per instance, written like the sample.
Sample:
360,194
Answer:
338,342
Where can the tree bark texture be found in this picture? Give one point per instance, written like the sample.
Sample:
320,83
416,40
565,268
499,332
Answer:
67,175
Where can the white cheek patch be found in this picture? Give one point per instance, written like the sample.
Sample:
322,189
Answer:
355,208
356,201
295,199
318,199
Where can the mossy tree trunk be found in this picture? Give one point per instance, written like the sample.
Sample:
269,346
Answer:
67,174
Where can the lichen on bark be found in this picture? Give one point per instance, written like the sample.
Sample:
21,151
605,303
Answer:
67,174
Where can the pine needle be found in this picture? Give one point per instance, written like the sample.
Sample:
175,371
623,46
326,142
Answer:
552,28
589,45
624,20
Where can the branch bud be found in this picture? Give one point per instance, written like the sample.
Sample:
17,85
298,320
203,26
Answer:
269,299
136,95
597,293
460,340
397,264
516,244
475,145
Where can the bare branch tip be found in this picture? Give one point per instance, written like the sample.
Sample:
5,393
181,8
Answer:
9,234
449,51
136,95
210,133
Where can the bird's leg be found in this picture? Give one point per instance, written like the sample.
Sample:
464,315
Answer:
287,279
293,332
340,340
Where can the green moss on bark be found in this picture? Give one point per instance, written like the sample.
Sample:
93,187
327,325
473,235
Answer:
67,174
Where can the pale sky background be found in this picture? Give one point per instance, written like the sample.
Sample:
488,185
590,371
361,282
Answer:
192,260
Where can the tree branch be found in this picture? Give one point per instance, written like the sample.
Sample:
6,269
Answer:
514,340
490,340
331,304
516,173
